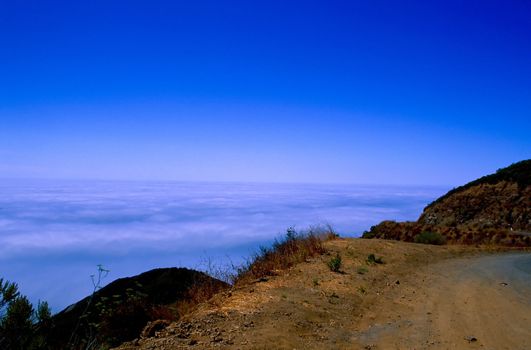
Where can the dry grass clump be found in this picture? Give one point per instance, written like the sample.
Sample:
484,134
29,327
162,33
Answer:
293,248
198,293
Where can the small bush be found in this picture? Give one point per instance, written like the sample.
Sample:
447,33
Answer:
362,270
372,259
335,263
427,237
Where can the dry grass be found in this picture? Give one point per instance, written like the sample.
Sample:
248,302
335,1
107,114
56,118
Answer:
197,294
293,248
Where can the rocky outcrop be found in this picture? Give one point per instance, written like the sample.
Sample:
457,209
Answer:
493,209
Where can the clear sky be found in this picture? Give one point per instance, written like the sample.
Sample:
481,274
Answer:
394,92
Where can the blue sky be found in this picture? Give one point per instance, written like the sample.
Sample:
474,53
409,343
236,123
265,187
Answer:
394,92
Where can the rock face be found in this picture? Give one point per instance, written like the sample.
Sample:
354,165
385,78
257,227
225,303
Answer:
493,209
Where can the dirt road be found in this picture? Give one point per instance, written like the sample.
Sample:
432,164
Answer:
475,303
421,297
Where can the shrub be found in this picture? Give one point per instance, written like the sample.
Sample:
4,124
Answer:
362,270
428,237
372,259
335,263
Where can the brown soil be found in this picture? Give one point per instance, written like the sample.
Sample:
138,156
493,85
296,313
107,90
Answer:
422,297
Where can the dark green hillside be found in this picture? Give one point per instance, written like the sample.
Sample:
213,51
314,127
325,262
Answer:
119,311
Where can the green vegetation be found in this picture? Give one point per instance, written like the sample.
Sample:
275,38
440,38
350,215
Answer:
362,270
335,263
21,326
372,259
428,237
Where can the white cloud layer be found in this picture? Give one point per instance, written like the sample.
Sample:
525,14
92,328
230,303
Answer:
46,226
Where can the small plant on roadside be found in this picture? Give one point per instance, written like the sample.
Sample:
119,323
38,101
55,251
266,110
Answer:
362,270
362,290
85,332
428,237
372,259
335,263
315,282
333,298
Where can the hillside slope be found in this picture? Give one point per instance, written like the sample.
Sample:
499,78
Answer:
398,304
493,209
119,311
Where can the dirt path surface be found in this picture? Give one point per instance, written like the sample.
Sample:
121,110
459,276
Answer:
474,303
421,297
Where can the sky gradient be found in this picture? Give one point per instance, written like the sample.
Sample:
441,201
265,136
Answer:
391,92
